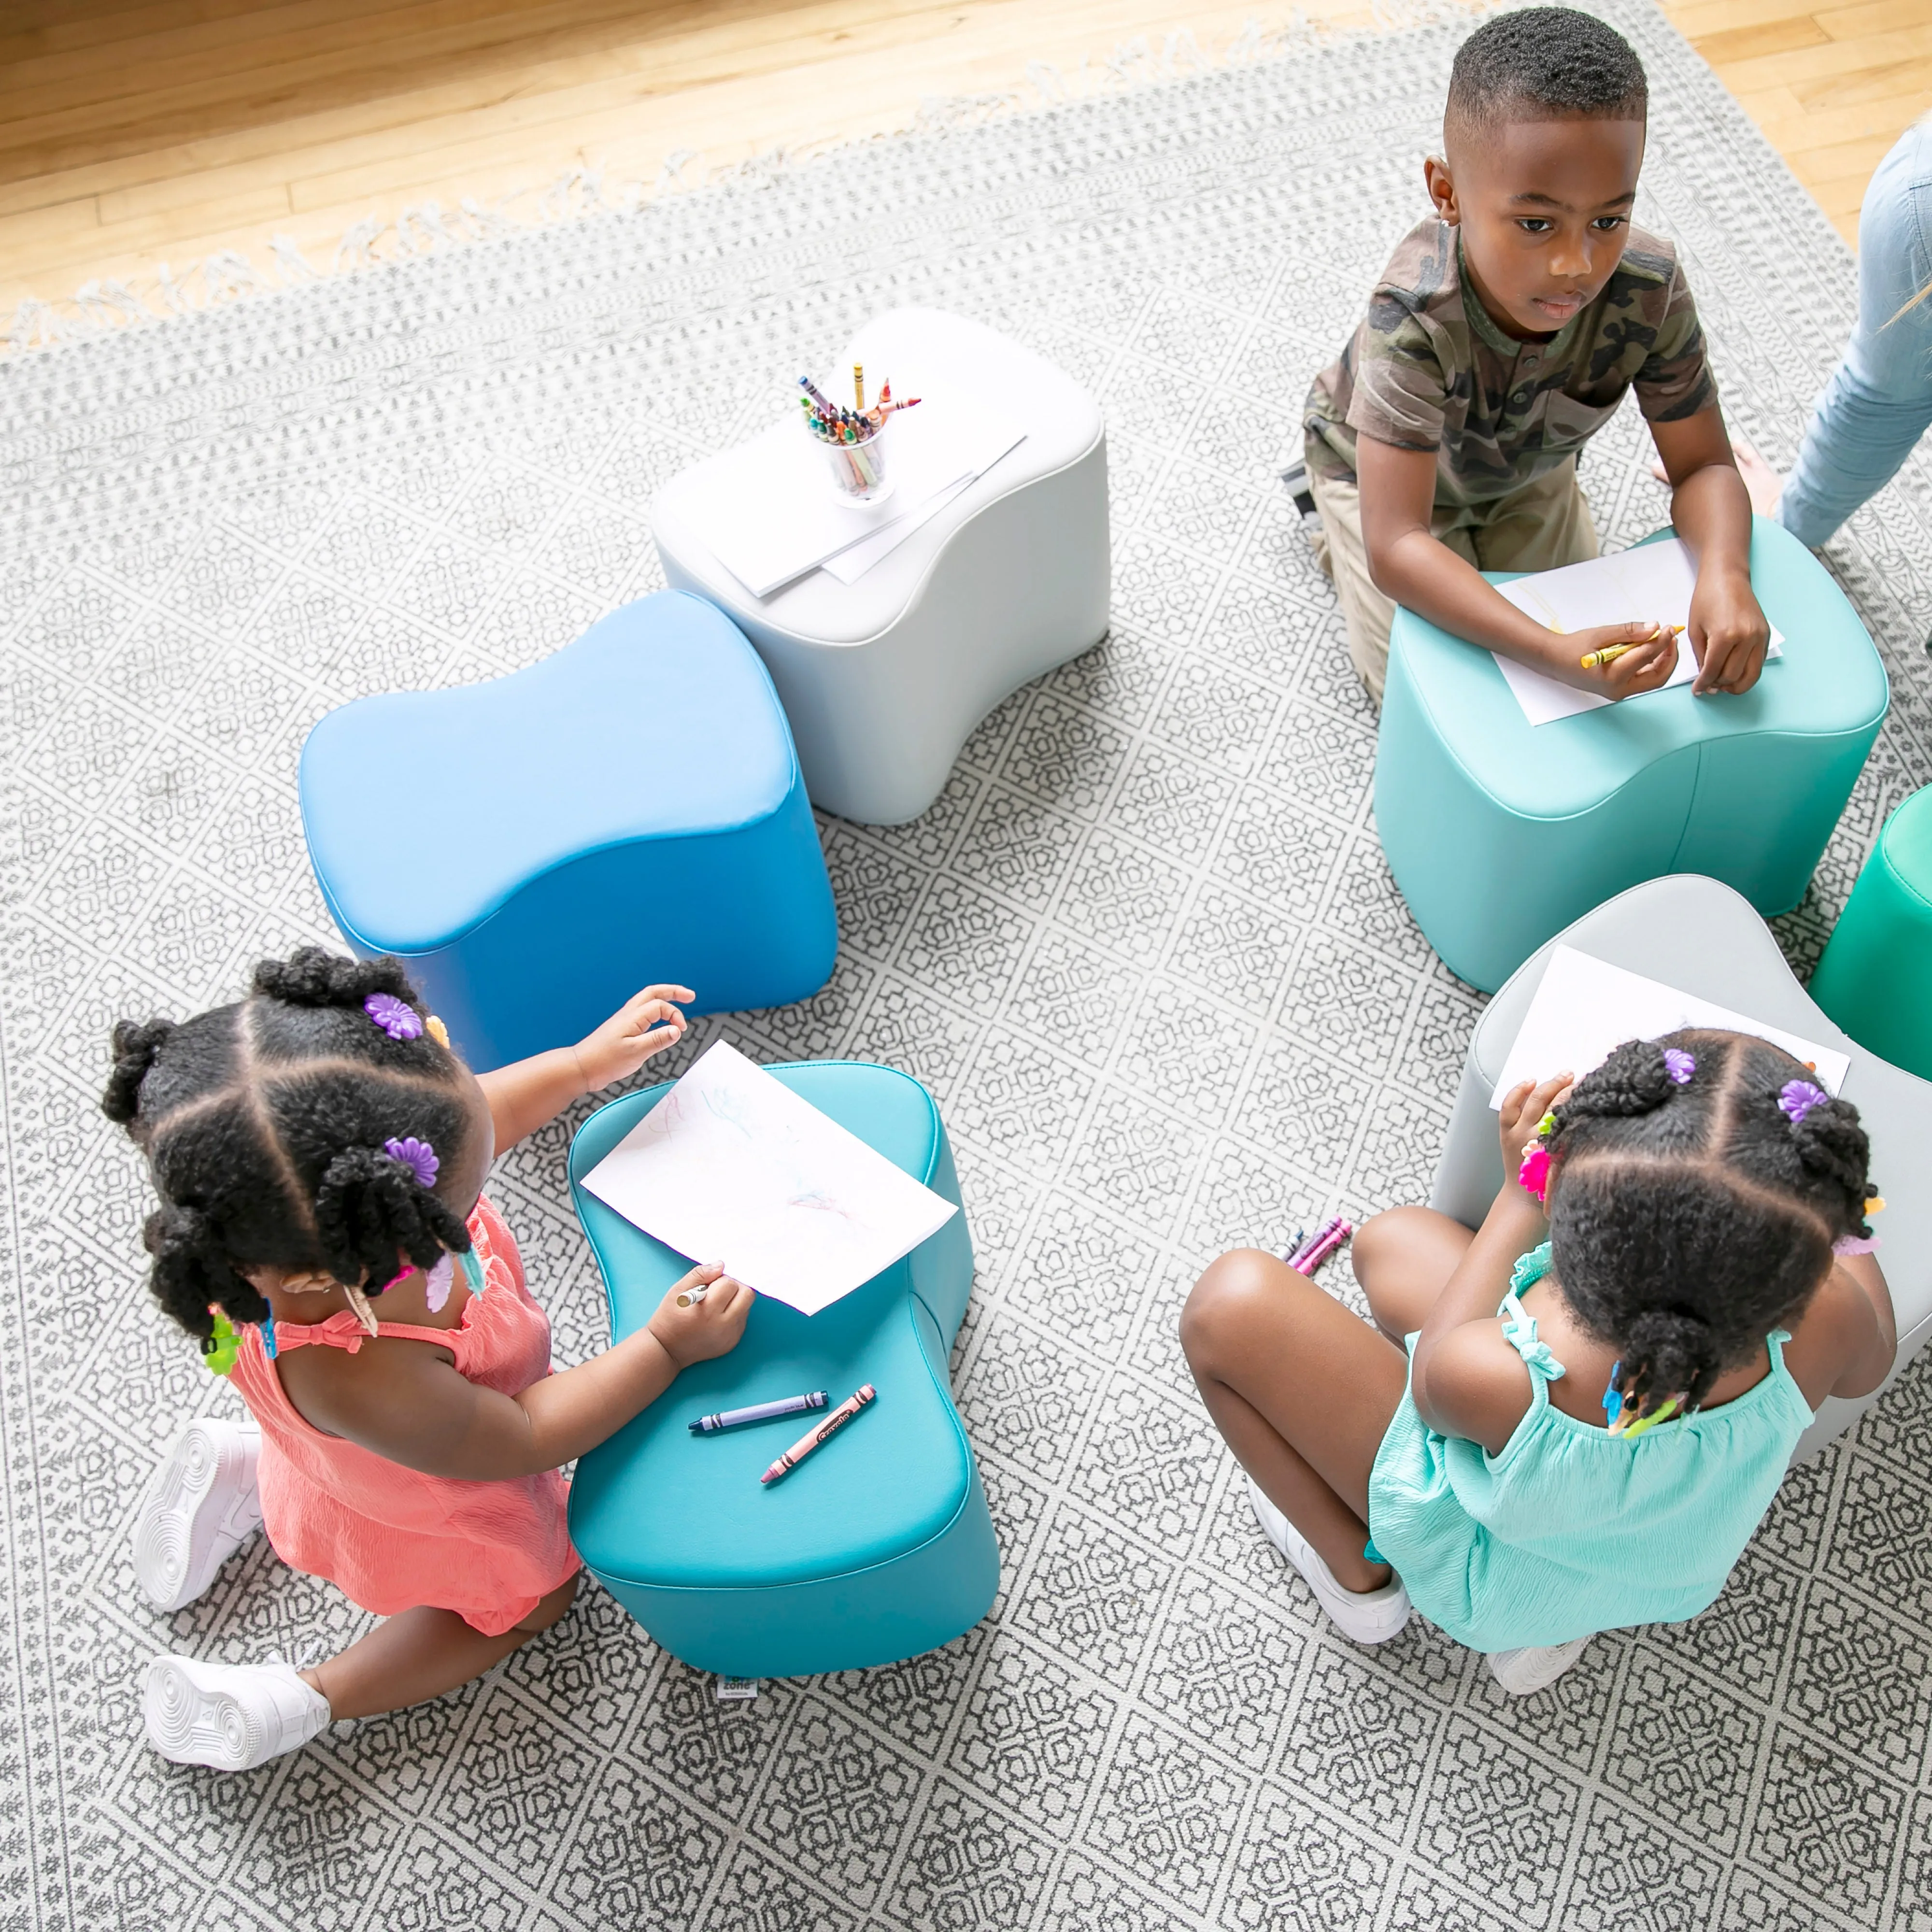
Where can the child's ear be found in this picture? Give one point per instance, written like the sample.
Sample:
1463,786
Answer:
1441,186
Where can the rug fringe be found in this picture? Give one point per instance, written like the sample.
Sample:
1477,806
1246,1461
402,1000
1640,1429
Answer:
103,307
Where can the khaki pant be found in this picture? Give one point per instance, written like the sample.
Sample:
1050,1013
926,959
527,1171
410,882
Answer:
1544,524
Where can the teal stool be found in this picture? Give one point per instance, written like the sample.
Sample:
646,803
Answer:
879,1545
1875,980
1500,834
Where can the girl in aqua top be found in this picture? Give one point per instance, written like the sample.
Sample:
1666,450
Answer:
1596,1408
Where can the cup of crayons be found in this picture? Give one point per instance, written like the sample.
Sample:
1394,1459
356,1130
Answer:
853,440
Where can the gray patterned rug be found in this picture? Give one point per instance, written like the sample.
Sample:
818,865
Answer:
1145,952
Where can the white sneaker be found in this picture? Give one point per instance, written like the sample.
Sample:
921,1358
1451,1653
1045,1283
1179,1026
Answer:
200,1507
1364,1616
1535,1666
231,1717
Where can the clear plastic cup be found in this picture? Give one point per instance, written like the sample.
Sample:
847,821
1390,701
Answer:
857,469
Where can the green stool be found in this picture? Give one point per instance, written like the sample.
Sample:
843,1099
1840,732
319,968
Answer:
1875,980
1499,835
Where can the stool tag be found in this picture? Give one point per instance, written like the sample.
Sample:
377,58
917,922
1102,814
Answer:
736,1690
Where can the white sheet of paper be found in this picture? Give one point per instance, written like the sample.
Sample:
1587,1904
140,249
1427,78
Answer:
732,1165
849,566
1584,1007
1654,581
768,511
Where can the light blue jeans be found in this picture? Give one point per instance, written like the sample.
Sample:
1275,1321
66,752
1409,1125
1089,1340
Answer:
1878,401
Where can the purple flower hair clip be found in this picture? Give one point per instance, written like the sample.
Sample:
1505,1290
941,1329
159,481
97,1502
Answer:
418,1157
1678,1065
397,1018
1796,1098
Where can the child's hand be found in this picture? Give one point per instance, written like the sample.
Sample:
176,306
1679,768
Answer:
1645,667
1729,632
645,1025
1524,1106
712,1326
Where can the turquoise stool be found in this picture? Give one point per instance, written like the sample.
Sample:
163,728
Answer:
1875,980
878,1546
536,848
1500,834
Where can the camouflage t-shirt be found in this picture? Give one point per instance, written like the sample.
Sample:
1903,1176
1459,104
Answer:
1429,369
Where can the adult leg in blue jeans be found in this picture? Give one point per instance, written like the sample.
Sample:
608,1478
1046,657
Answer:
1878,401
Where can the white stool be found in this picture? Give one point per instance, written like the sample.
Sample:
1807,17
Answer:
1705,939
884,679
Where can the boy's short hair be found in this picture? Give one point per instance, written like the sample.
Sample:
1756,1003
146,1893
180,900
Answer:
1543,62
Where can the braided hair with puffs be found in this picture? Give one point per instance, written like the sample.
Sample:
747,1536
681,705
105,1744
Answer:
264,1126
1690,1213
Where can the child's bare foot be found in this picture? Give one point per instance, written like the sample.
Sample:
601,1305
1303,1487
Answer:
1762,483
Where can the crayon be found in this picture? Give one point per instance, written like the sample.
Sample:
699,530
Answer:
761,1412
1305,1245
1608,655
833,1423
858,388
1333,1236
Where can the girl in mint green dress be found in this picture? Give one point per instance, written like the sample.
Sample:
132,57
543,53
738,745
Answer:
1570,1423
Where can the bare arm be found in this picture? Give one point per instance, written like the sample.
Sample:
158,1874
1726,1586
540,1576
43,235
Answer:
1870,1324
1423,574
1712,510
530,1093
404,1399
1466,1379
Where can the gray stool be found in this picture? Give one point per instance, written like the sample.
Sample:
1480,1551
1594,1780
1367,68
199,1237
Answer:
1702,937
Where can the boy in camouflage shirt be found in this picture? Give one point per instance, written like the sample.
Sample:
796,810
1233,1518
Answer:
1502,335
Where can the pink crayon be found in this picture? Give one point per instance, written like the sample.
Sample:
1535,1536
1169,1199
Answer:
1323,1245
806,1443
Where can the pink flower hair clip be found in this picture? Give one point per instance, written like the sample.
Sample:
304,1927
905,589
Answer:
1534,1174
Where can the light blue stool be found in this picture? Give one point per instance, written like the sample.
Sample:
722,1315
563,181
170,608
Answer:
537,848
1500,834
878,1546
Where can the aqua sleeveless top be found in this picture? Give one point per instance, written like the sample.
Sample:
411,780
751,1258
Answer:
1570,1529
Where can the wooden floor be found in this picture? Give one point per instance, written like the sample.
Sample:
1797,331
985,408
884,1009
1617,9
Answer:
136,132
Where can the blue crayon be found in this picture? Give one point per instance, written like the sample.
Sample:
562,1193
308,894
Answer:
762,1411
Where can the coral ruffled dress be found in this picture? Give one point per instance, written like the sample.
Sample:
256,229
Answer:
390,1538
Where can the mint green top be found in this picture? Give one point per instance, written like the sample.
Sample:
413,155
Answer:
1570,1529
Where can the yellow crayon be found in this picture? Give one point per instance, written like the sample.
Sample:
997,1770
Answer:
858,388
1610,654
